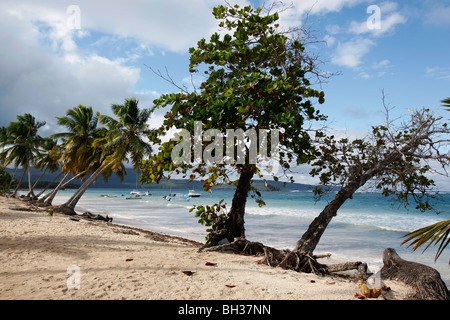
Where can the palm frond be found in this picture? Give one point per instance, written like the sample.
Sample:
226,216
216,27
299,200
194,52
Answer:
446,103
433,234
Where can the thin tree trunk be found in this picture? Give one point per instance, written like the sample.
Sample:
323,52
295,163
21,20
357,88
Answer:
69,206
18,185
35,184
30,187
12,179
49,197
62,185
49,184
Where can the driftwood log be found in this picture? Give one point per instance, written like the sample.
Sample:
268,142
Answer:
288,259
426,281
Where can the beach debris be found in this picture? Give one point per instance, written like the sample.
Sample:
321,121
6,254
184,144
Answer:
359,296
386,288
74,219
210,264
92,216
365,290
375,293
370,293
425,281
230,286
312,281
188,273
128,259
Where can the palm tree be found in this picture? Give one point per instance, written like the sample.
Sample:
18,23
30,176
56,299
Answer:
45,160
122,140
438,232
21,145
76,153
446,103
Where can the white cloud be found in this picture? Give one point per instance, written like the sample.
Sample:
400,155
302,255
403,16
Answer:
351,53
388,22
439,73
323,6
44,73
439,16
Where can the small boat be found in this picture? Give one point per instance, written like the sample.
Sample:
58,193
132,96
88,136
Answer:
133,197
148,193
107,196
178,199
135,193
193,194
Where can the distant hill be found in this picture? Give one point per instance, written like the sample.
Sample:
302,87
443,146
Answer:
129,182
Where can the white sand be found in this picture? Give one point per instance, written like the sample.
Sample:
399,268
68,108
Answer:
37,249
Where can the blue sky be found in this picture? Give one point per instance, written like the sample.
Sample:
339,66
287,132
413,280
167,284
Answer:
48,66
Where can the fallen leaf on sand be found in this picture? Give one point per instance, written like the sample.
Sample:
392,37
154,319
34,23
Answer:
210,264
386,288
128,259
359,296
188,273
313,281
230,286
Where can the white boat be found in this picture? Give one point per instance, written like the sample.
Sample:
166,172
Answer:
178,199
193,194
135,193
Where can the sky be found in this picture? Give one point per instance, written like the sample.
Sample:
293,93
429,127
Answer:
57,54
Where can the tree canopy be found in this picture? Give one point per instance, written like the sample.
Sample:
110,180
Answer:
256,77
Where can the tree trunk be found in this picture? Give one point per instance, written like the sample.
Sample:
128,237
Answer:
19,183
309,240
30,187
49,184
34,197
69,206
234,225
12,179
426,281
49,197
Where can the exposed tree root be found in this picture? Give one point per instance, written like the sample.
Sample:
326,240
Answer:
287,259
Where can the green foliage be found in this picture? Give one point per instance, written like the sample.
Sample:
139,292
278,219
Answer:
256,76
395,160
434,234
446,103
5,178
211,216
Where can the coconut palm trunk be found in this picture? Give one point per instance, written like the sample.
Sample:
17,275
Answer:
48,185
69,206
18,184
48,200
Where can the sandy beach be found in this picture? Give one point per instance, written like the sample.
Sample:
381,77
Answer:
54,257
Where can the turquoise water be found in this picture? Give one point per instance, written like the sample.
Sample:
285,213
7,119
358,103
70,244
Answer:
362,229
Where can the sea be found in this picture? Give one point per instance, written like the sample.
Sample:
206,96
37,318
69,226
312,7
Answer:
363,228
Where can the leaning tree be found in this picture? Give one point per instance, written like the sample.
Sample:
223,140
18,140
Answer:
395,159
257,82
